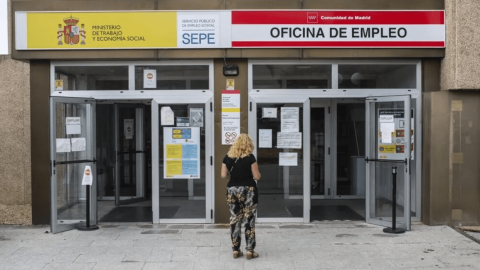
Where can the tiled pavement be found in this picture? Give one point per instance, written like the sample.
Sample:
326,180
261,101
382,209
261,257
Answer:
323,245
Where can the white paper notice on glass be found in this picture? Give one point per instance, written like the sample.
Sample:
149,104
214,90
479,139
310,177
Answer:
79,144
386,118
149,78
386,129
58,85
196,117
73,125
289,119
288,159
87,176
269,113
289,140
63,145
168,117
264,138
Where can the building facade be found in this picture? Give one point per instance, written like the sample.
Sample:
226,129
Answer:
153,123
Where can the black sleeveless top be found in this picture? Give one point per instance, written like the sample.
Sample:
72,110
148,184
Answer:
241,173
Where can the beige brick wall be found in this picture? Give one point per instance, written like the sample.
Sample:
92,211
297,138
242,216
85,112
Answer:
460,68
15,173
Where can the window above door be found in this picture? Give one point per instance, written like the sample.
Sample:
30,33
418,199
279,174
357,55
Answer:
340,76
131,76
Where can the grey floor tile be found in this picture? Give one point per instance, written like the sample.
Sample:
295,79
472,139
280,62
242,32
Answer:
168,265
23,266
69,266
111,258
119,266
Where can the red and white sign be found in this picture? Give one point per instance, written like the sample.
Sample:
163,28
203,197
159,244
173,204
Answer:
338,28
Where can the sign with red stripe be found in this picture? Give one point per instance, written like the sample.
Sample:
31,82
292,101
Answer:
333,29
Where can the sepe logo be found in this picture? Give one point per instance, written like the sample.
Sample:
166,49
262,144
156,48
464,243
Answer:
312,17
71,32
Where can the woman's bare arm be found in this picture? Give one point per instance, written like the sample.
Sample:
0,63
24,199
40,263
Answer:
224,170
255,171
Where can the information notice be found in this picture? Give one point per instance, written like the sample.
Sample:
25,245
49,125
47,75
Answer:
391,134
181,152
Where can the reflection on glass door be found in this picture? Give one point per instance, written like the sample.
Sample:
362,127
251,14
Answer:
123,151
280,160
388,145
350,149
318,152
130,172
182,161
71,132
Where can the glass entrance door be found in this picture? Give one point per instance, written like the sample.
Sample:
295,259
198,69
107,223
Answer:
277,128
72,149
130,168
182,166
388,151
337,159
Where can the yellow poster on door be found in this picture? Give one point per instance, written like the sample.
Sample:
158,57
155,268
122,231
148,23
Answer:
174,167
101,30
174,151
387,149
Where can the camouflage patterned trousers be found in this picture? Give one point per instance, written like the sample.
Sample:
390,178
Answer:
242,201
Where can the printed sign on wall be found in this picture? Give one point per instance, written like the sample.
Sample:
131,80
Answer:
230,115
338,28
230,29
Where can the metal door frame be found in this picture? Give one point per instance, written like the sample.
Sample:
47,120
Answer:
371,151
253,100
205,98
90,149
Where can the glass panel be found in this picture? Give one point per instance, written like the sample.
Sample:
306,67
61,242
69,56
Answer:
71,196
194,77
182,197
377,76
292,76
128,178
281,187
106,155
351,149
78,78
388,148
317,150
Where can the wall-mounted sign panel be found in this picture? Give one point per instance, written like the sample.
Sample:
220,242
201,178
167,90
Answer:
230,29
126,30
338,28
230,116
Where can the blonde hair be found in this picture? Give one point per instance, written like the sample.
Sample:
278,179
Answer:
242,146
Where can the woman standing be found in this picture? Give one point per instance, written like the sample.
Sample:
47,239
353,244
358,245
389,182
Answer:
242,193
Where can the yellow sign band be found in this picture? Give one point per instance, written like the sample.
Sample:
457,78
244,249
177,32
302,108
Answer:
83,30
230,109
